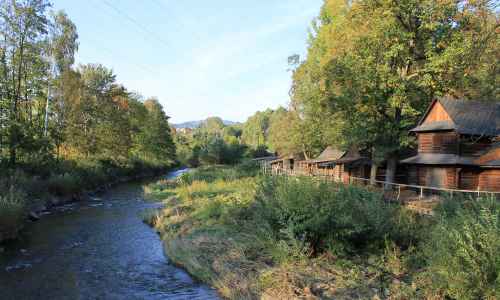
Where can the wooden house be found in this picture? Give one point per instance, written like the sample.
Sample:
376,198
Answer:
339,164
287,163
265,162
456,146
314,167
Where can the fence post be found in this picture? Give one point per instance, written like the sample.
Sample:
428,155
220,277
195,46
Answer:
421,192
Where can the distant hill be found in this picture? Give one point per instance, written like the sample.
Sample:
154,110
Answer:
196,124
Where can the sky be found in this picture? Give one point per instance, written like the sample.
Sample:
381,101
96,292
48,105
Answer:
200,58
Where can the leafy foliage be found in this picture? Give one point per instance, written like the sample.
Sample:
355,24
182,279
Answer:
211,143
65,128
294,231
325,214
463,249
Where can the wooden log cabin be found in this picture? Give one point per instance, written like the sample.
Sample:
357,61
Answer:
339,164
457,146
287,163
313,166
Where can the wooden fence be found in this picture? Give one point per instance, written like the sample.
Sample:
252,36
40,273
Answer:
422,197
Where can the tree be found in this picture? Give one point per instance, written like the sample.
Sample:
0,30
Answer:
284,132
158,144
47,104
23,28
375,65
256,129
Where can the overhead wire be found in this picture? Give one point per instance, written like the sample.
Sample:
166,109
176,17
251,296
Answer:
143,28
113,53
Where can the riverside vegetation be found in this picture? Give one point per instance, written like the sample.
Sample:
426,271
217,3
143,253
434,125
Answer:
253,236
65,129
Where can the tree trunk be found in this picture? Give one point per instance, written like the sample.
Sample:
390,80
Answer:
390,174
373,174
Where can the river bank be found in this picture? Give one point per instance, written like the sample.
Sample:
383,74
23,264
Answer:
24,197
97,249
254,237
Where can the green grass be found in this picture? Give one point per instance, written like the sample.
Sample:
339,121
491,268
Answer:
216,229
255,237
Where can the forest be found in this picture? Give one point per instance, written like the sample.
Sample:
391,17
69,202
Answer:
65,127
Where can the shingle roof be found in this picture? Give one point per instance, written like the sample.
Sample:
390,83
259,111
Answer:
329,154
439,159
492,163
295,156
469,117
440,125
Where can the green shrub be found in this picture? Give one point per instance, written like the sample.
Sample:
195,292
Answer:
12,209
212,173
325,214
463,250
64,185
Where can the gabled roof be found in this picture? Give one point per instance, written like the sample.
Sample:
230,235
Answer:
296,156
468,117
329,154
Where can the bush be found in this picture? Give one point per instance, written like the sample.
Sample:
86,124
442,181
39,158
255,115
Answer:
64,185
325,214
213,173
12,210
463,251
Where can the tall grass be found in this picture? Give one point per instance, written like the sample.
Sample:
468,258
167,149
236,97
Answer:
463,250
254,236
12,210
326,215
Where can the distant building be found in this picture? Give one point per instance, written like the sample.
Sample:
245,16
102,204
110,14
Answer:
184,130
265,162
290,162
339,164
457,146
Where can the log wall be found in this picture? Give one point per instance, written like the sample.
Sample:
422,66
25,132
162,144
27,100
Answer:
438,142
469,179
420,174
489,180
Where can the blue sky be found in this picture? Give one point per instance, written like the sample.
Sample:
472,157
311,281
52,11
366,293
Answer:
200,58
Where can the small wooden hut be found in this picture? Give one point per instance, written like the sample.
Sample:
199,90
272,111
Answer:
339,164
315,167
265,162
287,163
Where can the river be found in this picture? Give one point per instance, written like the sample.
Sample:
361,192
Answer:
98,249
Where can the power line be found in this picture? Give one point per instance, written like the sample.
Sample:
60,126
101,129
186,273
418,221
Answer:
112,53
135,22
161,4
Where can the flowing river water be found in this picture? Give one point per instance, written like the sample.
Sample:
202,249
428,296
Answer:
98,249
